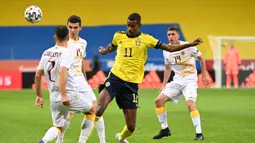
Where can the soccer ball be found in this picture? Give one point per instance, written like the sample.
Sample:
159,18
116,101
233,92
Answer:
33,14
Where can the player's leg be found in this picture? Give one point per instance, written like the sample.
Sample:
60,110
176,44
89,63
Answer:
190,94
129,128
162,116
89,110
127,99
104,100
228,80
100,126
235,77
59,113
60,138
170,92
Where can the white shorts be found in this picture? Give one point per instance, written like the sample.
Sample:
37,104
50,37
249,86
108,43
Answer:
60,113
89,95
174,90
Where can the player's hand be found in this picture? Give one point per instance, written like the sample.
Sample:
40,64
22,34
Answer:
65,100
39,102
205,80
198,41
101,50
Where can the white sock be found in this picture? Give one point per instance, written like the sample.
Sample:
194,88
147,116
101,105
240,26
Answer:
86,128
197,124
61,136
101,130
162,117
51,134
196,121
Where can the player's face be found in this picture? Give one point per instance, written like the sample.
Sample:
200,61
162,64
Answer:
74,28
173,36
133,27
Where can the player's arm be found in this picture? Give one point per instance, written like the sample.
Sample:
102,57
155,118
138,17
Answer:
110,48
62,80
203,69
83,69
172,48
62,77
38,77
167,73
38,87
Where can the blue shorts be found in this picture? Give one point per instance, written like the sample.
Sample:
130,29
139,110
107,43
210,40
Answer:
125,92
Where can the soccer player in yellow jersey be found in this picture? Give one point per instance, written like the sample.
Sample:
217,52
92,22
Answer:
183,63
128,71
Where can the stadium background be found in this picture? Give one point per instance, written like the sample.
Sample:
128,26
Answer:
22,43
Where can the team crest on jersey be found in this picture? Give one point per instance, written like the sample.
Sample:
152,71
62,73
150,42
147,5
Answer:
107,84
82,46
138,42
182,52
120,42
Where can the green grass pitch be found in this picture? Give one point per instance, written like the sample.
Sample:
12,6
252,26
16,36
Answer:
228,116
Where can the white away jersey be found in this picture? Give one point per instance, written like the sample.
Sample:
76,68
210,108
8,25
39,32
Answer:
183,62
79,50
51,61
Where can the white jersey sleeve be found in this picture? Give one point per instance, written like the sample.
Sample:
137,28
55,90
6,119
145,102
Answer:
40,66
85,49
67,59
194,51
165,54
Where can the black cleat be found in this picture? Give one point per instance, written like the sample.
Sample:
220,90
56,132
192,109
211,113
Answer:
163,133
199,137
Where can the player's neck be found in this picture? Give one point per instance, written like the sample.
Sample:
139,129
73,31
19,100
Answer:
176,43
61,44
134,35
74,38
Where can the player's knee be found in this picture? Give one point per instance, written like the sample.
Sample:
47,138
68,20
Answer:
131,127
158,102
99,110
191,105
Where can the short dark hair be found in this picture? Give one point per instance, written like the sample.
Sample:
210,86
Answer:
61,32
173,28
135,16
74,19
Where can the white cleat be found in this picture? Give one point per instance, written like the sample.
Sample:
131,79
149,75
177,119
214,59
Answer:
117,137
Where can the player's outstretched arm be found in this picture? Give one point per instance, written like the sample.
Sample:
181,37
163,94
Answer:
38,77
172,48
110,48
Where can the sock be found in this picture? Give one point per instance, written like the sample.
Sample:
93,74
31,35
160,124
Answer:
100,129
61,135
51,134
162,117
86,128
125,133
196,121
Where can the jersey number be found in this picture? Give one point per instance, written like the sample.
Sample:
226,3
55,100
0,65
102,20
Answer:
135,98
49,71
128,52
177,59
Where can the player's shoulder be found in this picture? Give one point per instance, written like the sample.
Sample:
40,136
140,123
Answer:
82,41
121,32
145,35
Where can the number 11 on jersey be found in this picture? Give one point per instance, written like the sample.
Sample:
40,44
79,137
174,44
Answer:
128,52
